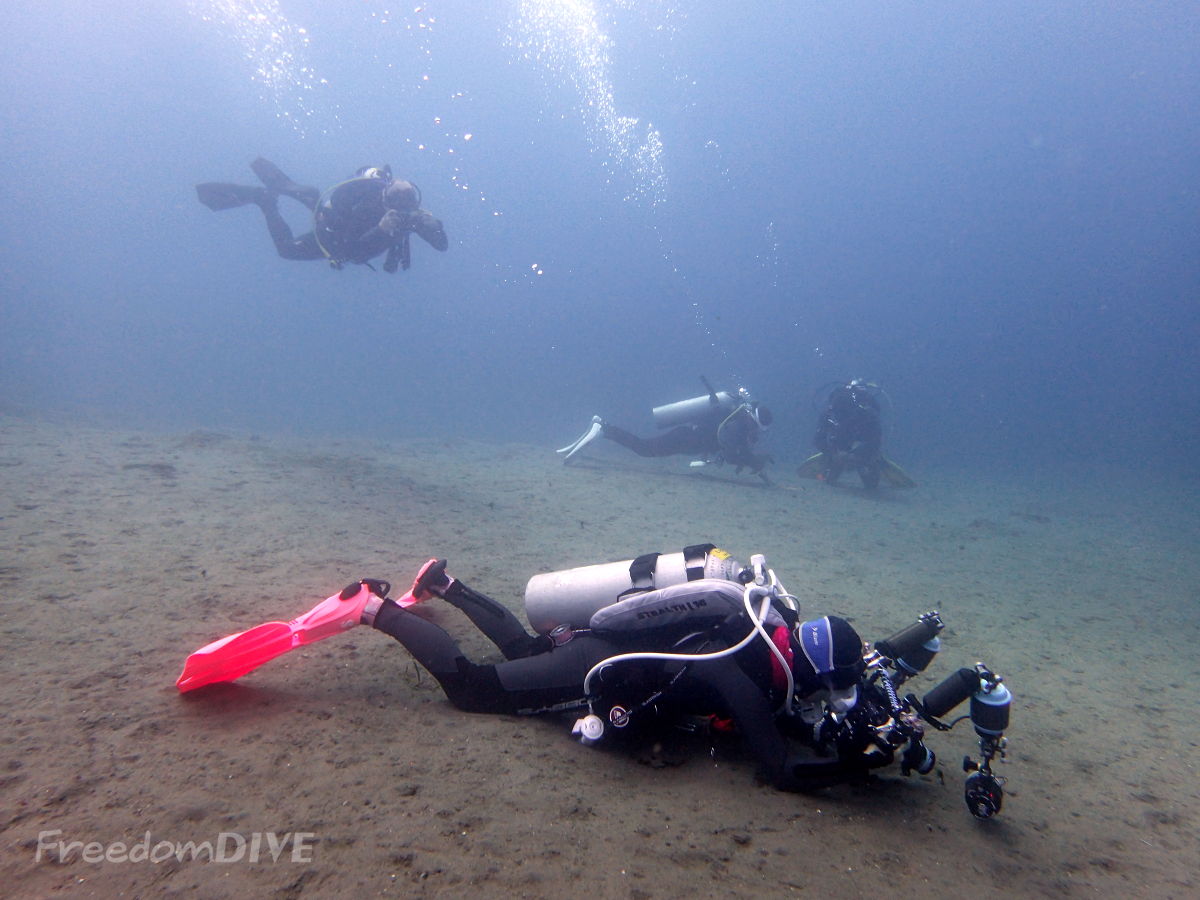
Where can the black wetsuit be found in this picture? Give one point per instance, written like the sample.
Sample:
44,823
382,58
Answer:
538,677
347,228
850,432
720,435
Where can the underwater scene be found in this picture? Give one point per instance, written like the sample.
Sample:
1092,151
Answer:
765,437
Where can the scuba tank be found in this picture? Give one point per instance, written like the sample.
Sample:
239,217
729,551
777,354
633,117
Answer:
571,596
685,411
345,211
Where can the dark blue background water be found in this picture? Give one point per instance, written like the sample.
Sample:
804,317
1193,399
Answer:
989,209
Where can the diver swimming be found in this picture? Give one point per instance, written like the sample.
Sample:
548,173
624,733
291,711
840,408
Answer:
356,220
714,428
688,640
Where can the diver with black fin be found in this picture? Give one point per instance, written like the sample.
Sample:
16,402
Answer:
354,221
714,428
850,436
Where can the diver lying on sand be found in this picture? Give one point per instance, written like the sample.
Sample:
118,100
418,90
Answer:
714,428
690,639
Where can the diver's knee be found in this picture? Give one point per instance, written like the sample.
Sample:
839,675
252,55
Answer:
475,688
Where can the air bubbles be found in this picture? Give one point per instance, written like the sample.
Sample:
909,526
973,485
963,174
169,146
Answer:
566,38
275,49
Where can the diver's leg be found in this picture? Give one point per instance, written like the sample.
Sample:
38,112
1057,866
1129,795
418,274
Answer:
833,471
626,439
496,621
868,461
682,439
468,686
274,179
548,681
286,244
520,686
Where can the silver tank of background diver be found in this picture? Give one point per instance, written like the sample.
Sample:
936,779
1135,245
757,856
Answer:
685,411
571,596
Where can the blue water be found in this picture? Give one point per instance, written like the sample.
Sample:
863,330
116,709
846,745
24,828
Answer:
991,210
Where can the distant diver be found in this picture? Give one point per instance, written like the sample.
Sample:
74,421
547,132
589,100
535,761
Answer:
850,435
354,221
714,428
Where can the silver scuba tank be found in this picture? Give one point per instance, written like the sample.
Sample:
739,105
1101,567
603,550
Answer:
685,411
571,596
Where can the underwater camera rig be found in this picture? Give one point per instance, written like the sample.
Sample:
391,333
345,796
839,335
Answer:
896,721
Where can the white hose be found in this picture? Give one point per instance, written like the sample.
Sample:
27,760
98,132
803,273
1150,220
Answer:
775,589
758,630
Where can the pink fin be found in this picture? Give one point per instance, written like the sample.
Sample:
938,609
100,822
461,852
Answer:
233,656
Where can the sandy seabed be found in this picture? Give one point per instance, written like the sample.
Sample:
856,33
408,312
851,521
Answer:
123,551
